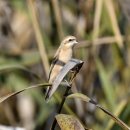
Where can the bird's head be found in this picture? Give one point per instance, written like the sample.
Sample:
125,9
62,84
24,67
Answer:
69,41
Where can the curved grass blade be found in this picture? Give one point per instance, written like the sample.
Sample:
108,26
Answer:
116,119
80,96
87,99
120,107
4,98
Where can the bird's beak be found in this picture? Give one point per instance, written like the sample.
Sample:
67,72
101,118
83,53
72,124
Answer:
76,42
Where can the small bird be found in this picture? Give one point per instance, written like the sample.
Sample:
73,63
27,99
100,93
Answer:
62,56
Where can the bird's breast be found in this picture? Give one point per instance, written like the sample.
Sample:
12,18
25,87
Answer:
65,55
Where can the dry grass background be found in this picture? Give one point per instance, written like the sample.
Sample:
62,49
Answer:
30,32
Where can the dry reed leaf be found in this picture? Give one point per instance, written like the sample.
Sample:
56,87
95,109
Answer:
69,122
73,63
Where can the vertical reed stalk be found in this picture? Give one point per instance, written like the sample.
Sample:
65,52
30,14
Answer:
39,38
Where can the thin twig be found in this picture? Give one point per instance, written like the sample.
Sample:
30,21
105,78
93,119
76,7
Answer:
38,34
99,41
69,85
61,106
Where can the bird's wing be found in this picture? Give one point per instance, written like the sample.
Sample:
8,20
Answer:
52,65
54,61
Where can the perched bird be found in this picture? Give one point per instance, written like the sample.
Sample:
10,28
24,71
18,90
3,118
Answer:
62,56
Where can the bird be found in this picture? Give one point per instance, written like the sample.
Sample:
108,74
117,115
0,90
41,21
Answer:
62,56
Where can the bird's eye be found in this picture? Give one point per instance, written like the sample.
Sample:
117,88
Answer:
71,40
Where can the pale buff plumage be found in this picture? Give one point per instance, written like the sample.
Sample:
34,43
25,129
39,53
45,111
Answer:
63,54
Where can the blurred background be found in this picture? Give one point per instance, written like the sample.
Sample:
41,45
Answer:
30,33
